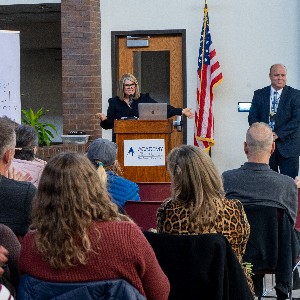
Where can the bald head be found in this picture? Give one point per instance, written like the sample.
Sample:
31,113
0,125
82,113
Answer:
259,141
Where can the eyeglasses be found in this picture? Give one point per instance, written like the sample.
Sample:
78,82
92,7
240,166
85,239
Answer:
129,85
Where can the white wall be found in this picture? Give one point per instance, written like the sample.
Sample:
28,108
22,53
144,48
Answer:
249,36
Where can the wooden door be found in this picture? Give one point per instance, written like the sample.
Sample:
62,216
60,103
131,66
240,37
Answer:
169,45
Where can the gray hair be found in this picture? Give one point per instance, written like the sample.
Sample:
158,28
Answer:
259,137
27,140
7,135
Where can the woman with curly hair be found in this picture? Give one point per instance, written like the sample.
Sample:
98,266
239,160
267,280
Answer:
79,236
197,203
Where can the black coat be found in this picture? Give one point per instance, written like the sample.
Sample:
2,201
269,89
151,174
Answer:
273,244
200,267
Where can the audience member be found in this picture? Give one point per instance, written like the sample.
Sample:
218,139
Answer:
103,153
197,204
8,240
256,183
15,196
26,147
79,235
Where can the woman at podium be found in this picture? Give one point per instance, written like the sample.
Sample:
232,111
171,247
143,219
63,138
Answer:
125,104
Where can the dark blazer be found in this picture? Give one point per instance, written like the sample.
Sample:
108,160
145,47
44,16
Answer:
287,119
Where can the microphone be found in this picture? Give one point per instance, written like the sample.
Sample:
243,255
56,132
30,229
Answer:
130,100
178,123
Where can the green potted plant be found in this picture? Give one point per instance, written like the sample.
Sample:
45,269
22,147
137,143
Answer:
33,119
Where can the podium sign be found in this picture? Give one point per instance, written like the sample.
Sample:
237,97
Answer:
149,152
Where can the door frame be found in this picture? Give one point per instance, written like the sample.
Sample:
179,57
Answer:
114,60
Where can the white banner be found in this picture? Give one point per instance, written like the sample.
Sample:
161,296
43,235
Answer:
10,100
150,152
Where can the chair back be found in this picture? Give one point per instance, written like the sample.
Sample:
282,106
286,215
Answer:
200,267
262,246
32,288
273,245
143,213
154,191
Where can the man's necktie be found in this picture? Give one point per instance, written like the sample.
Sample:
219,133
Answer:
273,111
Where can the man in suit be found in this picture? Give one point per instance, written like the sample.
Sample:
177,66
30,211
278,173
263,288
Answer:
279,106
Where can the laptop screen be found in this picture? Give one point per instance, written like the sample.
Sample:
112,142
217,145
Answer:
153,111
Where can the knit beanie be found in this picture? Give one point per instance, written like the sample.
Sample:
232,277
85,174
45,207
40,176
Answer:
103,150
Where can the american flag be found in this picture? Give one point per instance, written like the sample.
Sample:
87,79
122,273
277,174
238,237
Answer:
208,75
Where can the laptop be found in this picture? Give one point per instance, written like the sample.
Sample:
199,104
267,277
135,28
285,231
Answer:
153,111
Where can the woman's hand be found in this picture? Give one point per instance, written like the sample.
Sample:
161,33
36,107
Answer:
3,259
188,112
297,181
11,173
101,116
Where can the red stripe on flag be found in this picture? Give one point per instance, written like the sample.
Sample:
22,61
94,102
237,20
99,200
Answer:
216,79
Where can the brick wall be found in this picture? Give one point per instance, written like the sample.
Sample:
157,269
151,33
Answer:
81,81
46,153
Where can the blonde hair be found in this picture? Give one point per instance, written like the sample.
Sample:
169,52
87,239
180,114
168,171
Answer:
69,198
101,172
196,184
120,91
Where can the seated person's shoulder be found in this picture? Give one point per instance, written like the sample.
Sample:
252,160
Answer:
283,181
232,203
121,181
18,184
124,226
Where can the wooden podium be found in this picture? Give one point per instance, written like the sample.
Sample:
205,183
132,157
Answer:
143,130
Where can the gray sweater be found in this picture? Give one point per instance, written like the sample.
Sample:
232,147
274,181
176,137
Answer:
256,183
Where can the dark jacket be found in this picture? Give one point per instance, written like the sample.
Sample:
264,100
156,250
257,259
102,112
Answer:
15,202
34,289
118,109
273,244
287,119
200,266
